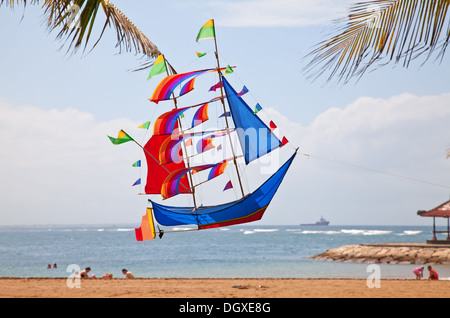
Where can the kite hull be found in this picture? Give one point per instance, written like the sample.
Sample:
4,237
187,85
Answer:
248,209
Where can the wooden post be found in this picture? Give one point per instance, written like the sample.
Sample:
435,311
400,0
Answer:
434,228
448,230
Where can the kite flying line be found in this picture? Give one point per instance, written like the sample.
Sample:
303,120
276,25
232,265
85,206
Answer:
375,170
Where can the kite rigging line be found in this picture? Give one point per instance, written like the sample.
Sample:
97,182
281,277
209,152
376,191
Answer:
375,170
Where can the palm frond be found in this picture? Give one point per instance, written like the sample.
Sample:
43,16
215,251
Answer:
75,20
382,31
12,3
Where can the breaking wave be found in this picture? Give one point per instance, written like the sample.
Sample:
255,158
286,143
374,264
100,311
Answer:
406,232
366,232
259,231
343,231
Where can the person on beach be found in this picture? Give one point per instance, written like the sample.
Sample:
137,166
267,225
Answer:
418,271
84,272
433,274
127,273
108,276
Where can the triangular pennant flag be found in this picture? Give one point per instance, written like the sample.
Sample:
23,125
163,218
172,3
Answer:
145,125
228,186
244,90
137,164
123,137
228,70
138,181
225,114
158,67
272,126
207,31
189,142
216,86
147,229
257,108
200,54
284,141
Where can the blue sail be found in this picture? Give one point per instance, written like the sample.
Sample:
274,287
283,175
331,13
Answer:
255,137
249,208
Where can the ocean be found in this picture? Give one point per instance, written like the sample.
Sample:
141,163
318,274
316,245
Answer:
250,251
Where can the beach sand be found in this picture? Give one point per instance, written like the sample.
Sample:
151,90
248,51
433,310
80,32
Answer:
221,288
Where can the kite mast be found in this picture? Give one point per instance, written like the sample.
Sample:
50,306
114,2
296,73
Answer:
184,145
225,113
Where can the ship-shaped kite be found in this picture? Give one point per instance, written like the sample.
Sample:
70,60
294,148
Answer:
181,135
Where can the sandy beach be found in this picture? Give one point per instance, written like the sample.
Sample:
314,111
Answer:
221,288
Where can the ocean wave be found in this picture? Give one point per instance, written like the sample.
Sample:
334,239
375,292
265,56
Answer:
406,232
259,231
320,232
342,231
124,230
366,232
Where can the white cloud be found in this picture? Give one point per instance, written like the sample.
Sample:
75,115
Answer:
403,123
279,13
359,157
58,166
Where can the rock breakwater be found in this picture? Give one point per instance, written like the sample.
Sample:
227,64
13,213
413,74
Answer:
388,253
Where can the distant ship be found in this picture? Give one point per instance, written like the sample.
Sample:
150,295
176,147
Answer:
322,221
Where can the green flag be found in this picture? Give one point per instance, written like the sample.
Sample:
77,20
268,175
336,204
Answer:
228,70
137,164
207,31
145,125
123,137
158,67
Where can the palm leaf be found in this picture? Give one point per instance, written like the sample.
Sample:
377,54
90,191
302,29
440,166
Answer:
380,31
59,15
75,20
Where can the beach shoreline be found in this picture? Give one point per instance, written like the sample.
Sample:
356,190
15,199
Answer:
183,288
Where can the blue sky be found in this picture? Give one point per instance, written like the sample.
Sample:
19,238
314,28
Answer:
58,166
